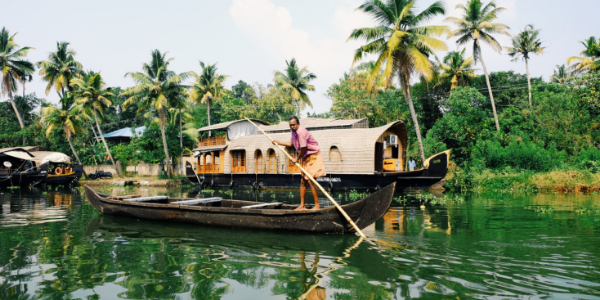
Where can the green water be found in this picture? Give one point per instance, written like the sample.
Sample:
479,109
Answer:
54,245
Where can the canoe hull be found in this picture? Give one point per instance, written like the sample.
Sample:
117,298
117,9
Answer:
328,220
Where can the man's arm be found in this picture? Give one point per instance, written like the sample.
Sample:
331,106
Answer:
285,144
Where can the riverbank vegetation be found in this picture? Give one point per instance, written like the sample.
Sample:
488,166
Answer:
507,130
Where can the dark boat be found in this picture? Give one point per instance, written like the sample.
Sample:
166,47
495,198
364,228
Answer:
18,169
245,214
60,170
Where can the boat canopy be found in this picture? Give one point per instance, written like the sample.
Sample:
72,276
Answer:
18,154
56,157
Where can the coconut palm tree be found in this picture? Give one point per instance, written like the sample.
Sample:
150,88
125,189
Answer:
476,25
70,120
207,87
402,44
91,96
456,69
157,89
561,75
590,59
296,81
523,44
58,71
14,68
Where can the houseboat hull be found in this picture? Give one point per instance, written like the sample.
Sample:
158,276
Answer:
65,179
412,180
24,179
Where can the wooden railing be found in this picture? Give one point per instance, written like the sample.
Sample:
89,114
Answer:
213,141
7,171
209,169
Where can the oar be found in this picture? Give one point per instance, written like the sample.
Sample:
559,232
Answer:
315,182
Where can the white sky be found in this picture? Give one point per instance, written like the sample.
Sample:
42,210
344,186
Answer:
251,38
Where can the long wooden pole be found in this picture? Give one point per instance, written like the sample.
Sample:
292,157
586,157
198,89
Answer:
315,182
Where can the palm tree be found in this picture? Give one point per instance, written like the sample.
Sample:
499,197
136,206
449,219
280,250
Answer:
157,88
402,44
476,25
296,81
456,68
14,68
70,120
91,95
524,44
207,87
590,59
58,71
561,75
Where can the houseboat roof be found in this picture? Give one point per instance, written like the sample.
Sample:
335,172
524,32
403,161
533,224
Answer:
318,124
17,152
224,126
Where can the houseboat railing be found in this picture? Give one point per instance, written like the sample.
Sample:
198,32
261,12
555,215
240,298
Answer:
213,141
209,169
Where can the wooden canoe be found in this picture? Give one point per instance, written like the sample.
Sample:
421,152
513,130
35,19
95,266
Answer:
247,214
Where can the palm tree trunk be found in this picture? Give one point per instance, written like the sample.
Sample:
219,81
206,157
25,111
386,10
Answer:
528,81
73,149
162,118
75,153
406,87
487,80
105,144
12,101
208,112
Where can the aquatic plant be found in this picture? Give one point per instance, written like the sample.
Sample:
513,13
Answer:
208,190
229,192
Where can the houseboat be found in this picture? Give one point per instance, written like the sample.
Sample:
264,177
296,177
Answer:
355,156
61,172
17,168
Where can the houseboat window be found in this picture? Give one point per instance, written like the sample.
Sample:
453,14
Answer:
238,163
272,168
259,162
335,158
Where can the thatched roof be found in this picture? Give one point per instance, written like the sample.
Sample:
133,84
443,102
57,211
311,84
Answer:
318,124
356,146
20,149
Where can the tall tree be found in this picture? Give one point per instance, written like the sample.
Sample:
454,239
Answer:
589,59
456,69
402,43
69,120
158,89
207,87
476,25
91,95
242,90
562,75
58,71
14,68
523,44
296,81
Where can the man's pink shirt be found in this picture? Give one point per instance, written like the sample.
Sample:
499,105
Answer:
302,138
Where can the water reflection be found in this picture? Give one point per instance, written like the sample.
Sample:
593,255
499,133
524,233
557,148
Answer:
54,245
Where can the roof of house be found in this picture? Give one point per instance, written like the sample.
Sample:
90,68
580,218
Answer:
126,132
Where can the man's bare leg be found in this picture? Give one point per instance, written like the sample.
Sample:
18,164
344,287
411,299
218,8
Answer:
302,194
313,188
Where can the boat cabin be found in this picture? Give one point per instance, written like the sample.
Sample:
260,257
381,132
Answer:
347,147
15,160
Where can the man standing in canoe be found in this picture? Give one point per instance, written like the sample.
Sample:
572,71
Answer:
309,156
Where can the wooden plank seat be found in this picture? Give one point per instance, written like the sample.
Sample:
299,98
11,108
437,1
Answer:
198,201
262,205
144,199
